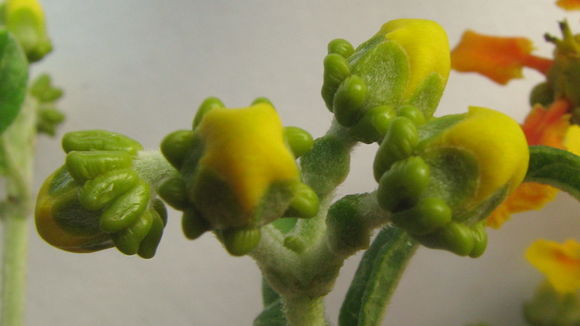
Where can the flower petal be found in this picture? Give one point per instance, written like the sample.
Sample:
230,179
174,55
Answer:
572,139
527,196
547,126
569,4
498,58
560,263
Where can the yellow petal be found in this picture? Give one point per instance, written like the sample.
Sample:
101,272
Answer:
497,143
498,58
426,44
559,262
246,147
572,139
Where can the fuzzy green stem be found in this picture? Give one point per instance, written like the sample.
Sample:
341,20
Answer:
17,143
305,311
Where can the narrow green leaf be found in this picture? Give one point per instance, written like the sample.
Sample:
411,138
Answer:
376,278
13,78
556,167
268,294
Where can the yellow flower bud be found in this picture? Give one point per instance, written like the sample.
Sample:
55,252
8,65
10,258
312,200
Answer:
426,45
247,148
25,19
498,145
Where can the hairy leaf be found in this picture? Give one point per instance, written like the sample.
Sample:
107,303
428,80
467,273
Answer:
556,167
376,278
13,78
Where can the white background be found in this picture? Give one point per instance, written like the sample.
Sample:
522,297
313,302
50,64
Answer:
142,67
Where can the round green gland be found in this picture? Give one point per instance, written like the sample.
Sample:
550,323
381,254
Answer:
239,242
349,101
207,105
336,70
99,140
341,47
299,140
401,186
428,215
374,124
398,144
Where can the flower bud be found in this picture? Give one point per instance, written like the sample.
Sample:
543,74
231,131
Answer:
238,172
25,19
406,63
98,199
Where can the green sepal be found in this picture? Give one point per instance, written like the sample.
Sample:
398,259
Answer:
148,246
14,72
239,242
207,105
426,97
542,94
398,144
341,47
549,308
401,186
299,140
556,167
193,225
454,175
176,146
88,165
425,217
374,124
126,209
383,65
349,101
174,193
336,70
129,239
99,140
98,192
376,278
433,129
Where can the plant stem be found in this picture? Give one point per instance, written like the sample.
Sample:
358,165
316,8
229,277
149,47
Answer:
305,311
17,144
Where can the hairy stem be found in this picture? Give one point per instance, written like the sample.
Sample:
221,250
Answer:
17,144
305,311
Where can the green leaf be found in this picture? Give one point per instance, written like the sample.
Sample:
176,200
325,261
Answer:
555,167
13,78
376,278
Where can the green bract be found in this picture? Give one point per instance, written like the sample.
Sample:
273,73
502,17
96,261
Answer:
98,199
230,181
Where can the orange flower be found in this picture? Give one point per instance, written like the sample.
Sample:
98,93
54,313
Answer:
541,127
560,263
498,58
569,4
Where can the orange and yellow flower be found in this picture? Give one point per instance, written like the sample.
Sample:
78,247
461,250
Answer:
499,58
569,4
502,59
559,262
